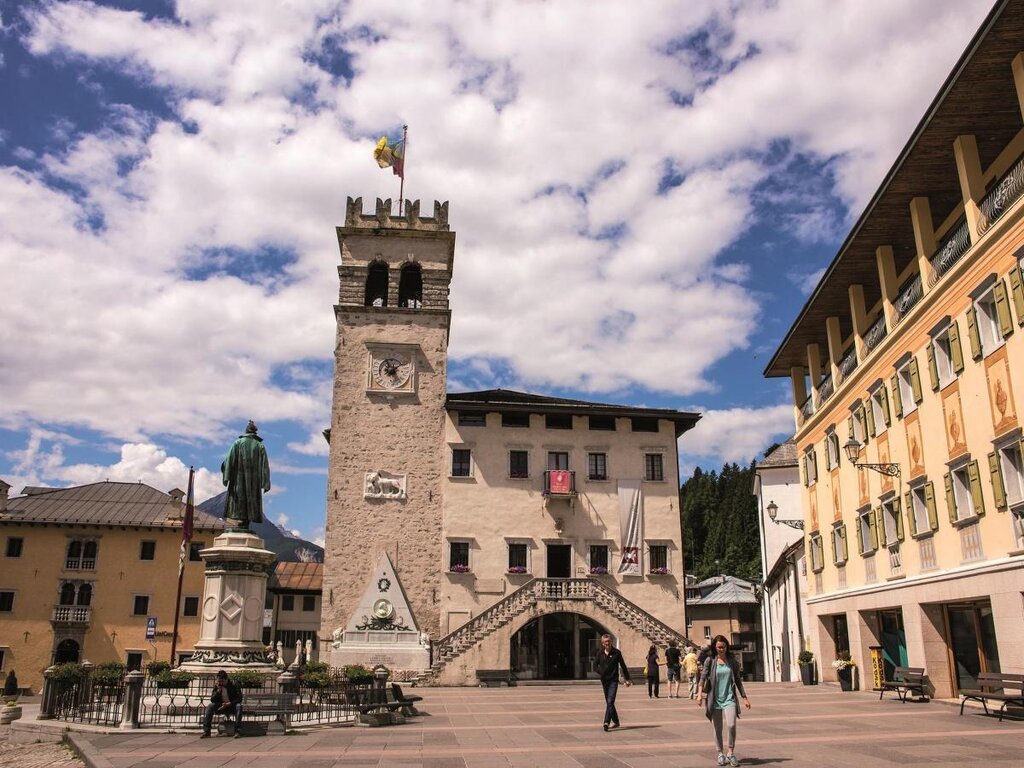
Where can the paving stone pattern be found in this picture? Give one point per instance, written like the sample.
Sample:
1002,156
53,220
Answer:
560,726
34,755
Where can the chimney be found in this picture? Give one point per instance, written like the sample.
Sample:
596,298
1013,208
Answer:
177,510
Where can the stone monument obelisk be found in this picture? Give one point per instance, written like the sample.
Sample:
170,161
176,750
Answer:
237,567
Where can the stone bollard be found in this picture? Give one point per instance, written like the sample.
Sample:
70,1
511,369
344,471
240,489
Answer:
287,685
132,700
47,703
380,677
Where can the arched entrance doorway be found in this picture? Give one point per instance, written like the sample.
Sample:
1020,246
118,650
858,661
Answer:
67,650
556,646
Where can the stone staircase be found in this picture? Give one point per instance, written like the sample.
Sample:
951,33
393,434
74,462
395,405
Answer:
539,590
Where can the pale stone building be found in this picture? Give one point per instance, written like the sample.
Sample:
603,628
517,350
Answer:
517,527
726,605
907,364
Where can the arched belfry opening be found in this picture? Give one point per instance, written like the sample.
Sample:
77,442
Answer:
410,287
377,285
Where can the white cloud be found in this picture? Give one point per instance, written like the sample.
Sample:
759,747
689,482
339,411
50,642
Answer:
315,445
736,434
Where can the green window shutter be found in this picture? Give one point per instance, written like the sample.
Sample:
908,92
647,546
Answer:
869,413
972,332
814,461
897,398
915,380
933,369
835,555
908,505
899,518
974,475
955,351
996,474
886,413
1017,289
929,502
849,427
950,497
842,538
874,519
1002,308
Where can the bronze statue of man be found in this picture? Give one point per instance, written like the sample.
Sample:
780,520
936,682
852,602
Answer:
246,473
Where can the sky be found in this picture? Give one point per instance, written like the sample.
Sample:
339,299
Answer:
644,195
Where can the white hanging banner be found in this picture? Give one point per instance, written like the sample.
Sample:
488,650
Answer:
631,526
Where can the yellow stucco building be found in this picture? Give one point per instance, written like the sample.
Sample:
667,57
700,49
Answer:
83,570
911,349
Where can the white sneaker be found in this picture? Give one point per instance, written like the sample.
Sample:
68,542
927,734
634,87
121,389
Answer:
721,758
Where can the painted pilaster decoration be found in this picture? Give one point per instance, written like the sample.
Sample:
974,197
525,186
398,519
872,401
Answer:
230,635
382,629
384,485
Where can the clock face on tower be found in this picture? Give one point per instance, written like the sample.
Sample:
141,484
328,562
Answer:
391,369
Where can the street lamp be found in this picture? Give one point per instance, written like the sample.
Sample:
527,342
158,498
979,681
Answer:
773,511
852,450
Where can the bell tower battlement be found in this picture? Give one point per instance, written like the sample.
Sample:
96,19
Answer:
382,218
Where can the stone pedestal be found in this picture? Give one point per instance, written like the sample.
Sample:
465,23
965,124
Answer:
231,633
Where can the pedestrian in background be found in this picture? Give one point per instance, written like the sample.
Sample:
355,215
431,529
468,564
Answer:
721,690
692,669
653,673
607,664
672,667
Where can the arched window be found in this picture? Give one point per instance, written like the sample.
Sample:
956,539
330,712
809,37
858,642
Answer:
67,593
67,651
377,285
410,287
85,594
74,550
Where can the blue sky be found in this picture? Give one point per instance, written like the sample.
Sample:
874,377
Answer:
644,195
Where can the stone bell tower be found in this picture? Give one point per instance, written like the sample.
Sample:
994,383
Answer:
386,463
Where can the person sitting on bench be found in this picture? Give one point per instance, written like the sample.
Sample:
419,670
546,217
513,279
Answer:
226,699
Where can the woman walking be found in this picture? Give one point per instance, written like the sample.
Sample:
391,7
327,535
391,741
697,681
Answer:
653,673
720,691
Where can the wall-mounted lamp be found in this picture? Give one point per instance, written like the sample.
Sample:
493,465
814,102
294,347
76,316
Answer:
852,449
773,511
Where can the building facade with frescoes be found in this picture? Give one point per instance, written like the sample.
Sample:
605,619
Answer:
494,531
907,370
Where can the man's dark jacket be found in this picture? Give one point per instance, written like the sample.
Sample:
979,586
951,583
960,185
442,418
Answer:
607,665
233,691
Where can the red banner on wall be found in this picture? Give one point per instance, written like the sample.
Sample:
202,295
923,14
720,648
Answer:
560,481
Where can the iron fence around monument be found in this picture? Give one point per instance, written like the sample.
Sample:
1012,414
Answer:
178,706
81,700
337,702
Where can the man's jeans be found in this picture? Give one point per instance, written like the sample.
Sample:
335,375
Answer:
213,709
611,688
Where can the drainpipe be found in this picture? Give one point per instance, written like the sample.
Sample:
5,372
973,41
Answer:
766,607
796,599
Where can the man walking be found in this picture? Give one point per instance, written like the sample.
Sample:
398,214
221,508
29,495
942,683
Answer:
692,669
607,664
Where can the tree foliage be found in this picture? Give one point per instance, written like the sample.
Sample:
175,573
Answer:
719,521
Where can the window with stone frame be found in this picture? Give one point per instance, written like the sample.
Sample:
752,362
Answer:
879,404
657,559
867,535
147,550
599,559
891,532
518,464
597,466
462,462
840,551
6,601
921,511
990,315
288,603
810,466
558,460
963,492
190,606
81,555
1006,470
817,553
194,548
14,546
140,605
654,467
945,356
831,448
308,603
458,556
518,557
908,387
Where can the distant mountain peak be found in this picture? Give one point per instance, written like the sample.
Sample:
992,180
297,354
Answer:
288,547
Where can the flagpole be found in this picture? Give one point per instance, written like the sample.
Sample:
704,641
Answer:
186,535
401,184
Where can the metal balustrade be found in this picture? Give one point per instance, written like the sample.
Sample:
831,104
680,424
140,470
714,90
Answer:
848,363
875,333
950,251
909,294
807,408
1001,197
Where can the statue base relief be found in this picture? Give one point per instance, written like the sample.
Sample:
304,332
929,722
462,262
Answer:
231,629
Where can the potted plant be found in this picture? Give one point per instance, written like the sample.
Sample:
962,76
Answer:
806,659
174,678
844,666
459,568
317,674
357,674
154,668
246,678
10,712
598,570
660,571
517,569
107,675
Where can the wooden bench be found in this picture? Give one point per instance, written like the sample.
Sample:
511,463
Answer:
495,678
408,702
384,698
905,680
278,706
996,686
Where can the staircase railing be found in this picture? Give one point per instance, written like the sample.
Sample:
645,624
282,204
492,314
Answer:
648,625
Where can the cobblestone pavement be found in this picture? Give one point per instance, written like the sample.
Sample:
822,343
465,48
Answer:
34,755
560,726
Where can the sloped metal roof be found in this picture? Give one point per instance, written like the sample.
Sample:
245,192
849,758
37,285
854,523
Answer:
730,591
783,456
297,577
105,503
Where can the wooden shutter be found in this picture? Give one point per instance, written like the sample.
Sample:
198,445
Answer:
1017,289
869,413
996,475
972,331
874,519
929,503
835,554
842,538
814,462
1002,308
974,475
908,505
897,398
956,353
950,496
933,370
849,427
898,518
884,397
915,381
